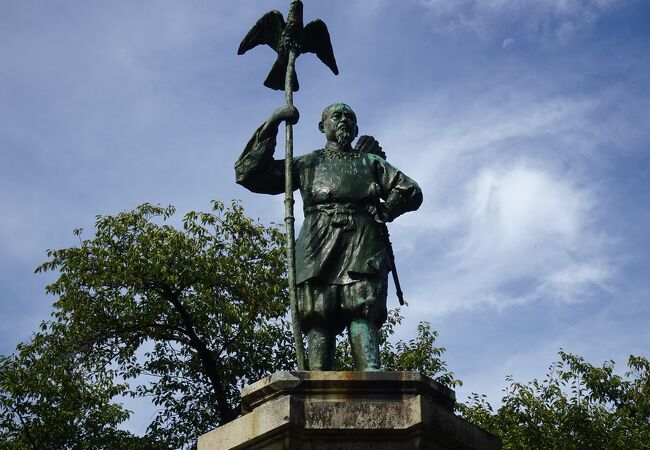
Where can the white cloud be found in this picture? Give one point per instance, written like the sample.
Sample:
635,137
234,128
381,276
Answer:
574,281
523,235
511,212
521,206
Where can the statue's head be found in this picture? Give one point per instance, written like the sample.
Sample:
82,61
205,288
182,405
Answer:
339,123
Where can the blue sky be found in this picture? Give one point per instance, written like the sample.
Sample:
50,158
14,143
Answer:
525,122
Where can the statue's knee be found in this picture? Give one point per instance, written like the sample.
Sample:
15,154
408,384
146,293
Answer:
318,307
366,299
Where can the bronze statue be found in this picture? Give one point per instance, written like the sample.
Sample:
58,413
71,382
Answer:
337,269
342,259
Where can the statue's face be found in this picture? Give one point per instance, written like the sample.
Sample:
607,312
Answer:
339,124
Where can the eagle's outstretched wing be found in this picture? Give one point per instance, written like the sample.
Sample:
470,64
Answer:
268,30
316,39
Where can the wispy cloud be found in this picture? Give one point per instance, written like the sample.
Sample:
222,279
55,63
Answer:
549,18
523,235
511,211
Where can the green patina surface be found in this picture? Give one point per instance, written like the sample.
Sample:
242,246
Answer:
342,260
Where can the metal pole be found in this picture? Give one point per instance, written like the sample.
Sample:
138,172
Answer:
289,218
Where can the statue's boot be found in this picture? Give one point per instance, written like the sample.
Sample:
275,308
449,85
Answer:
321,347
364,339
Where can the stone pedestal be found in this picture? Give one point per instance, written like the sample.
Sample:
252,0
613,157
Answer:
348,411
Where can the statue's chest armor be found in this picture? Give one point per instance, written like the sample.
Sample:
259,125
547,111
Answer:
335,180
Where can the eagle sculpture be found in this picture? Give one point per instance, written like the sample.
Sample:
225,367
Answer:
272,30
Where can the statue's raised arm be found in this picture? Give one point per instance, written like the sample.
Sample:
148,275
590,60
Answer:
256,169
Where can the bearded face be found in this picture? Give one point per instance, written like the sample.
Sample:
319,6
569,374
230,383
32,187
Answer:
339,125
343,136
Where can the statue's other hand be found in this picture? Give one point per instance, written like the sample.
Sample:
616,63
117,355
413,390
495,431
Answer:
380,213
378,209
287,114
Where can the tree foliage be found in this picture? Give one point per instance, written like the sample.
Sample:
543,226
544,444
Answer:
184,317
49,401
188,316
577,406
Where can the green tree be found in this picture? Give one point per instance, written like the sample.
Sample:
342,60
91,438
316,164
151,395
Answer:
47,401
577,406
188,316
184,317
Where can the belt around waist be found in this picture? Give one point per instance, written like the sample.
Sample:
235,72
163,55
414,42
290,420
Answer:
340,208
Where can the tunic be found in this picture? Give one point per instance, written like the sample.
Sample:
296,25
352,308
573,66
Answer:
340,240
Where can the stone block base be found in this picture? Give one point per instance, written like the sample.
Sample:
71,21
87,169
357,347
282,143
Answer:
348,411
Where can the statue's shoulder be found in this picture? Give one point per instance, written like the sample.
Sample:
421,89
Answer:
310,157
374,157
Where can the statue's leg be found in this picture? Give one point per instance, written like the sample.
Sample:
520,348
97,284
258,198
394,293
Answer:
317,306
364,340
364,303
321,347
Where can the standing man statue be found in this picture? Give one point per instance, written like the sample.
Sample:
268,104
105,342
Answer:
342,259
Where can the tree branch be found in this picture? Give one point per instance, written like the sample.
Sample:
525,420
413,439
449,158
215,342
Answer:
209,364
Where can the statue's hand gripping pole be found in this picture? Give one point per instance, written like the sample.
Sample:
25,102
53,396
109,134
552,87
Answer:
289,40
